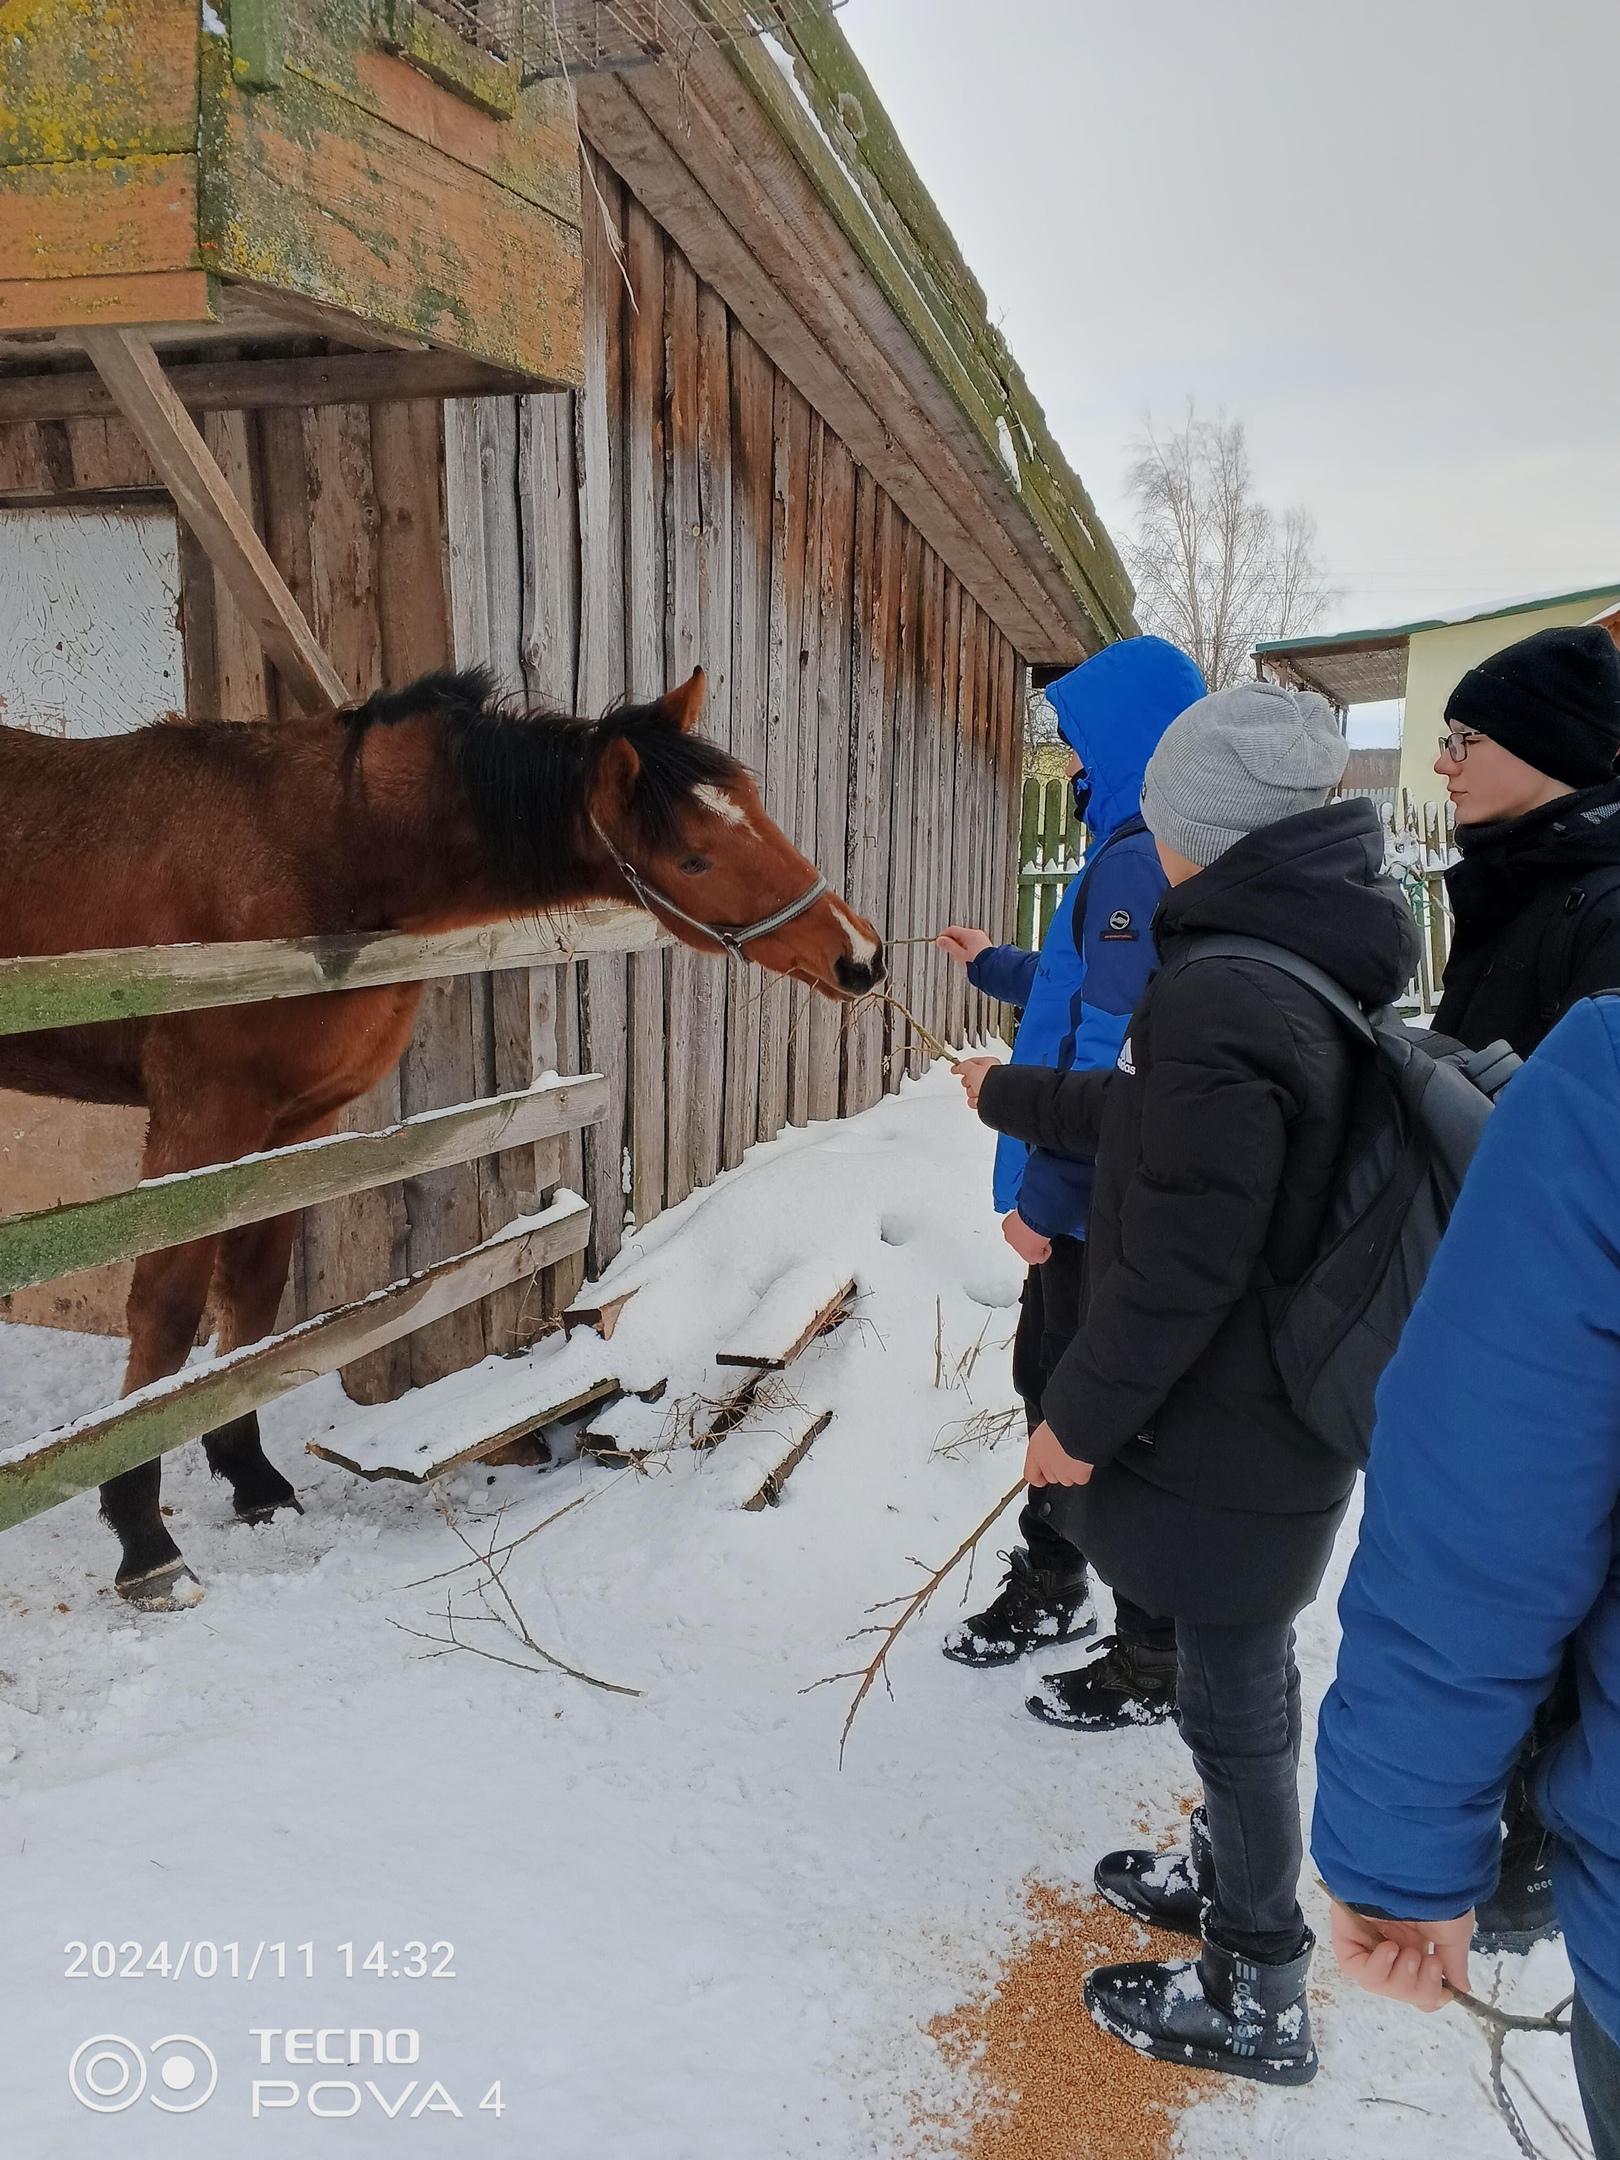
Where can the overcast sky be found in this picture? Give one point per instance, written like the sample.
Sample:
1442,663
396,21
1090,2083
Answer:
1386,233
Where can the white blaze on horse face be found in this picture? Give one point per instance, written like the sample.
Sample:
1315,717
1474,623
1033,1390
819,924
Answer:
716,800
861,947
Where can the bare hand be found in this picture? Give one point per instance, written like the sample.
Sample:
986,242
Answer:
1407,1960
1048,1462
1028,1244
962,945
971,1072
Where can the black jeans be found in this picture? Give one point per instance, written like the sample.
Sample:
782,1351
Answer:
1048,1320
1237,1691
1597,2072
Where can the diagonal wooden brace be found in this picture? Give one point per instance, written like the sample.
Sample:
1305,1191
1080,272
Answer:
129,367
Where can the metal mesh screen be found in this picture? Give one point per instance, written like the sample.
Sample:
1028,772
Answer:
583,37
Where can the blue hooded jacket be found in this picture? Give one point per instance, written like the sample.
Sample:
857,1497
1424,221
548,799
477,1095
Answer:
1492,1533
1079,990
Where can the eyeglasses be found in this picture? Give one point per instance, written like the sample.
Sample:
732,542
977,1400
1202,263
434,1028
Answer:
1455,747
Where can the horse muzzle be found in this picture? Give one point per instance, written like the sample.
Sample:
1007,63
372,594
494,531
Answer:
856,977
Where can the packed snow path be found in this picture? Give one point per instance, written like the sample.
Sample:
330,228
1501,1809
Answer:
679,1932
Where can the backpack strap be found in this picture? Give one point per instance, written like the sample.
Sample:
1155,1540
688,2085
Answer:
1555,953
1333,994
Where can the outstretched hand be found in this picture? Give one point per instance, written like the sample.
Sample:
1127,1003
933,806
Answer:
1048,1462
971,1072
1410,1961
962,945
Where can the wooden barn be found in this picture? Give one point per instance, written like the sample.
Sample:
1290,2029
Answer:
587,344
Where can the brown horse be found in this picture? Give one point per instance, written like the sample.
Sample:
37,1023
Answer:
427,809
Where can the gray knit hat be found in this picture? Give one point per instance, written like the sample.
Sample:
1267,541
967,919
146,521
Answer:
1237,760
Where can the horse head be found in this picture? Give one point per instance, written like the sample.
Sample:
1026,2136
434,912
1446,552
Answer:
682,826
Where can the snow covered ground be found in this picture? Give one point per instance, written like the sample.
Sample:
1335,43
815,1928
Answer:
666,1925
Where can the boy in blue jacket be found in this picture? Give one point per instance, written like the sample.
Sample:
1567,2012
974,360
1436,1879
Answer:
1076,995
1496,1460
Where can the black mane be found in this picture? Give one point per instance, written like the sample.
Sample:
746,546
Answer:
528,774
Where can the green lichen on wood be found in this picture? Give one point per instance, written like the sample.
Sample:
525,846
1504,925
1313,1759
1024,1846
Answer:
861,171
306,191
96,78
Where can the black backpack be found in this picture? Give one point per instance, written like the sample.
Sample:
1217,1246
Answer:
1419,1109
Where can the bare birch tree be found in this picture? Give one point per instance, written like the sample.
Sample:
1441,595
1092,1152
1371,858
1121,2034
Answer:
1215,568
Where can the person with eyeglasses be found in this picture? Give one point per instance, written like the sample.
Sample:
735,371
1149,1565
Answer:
1529,761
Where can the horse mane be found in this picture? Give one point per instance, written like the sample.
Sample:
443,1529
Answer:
528,773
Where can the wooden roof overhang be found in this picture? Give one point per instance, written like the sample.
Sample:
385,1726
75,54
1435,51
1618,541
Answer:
773,166
1362,670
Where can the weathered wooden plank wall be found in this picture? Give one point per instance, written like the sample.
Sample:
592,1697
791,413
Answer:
688,507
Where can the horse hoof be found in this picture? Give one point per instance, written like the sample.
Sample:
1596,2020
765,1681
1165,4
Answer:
263,1511
170,1588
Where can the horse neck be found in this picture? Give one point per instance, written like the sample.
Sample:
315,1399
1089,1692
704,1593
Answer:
435,865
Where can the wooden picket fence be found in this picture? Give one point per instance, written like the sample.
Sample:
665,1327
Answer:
77,989
1050,844
1422,843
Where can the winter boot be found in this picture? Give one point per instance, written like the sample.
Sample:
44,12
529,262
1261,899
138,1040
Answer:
1519,1911
1166,1889
1037,1608
1127,1685
1220,2012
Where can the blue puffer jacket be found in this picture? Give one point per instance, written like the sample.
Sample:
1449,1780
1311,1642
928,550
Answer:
1078,991
1492,1532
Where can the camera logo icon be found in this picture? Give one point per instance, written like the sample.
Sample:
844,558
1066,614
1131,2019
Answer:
109,2073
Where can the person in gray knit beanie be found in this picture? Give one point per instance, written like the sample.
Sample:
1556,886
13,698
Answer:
1239,759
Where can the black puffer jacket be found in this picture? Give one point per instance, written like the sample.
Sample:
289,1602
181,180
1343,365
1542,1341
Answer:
1216,1139
1536,907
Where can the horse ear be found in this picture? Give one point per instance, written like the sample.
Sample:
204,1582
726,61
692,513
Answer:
616,778
683,704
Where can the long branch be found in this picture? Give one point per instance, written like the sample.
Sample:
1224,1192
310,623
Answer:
868,1674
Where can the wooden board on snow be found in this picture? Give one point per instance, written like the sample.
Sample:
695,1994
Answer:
628,1429
472,1414
807,1426
761,1454
798,1307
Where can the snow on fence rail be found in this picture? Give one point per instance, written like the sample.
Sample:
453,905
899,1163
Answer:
134,982
42,1472
202,1203
76,989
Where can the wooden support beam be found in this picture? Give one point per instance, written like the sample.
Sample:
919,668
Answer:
40,1473
368,378
132,982
166,1211
129,367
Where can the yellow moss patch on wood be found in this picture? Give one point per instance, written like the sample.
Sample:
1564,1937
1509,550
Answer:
110,217
96,78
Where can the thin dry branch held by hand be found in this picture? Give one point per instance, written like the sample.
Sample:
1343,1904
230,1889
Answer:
868,1674
1498,2024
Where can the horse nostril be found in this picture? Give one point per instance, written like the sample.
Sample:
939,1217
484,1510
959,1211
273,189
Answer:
859,976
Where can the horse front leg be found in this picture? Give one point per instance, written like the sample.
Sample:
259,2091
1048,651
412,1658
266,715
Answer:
251,1276
166,1302
191,1124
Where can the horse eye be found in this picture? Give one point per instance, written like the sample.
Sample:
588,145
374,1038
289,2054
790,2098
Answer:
695,865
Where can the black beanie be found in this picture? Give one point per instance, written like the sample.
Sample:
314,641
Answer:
1552,699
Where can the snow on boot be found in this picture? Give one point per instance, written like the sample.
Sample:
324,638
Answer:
1128,1684
1220,2012
1166,1889
1519,1911
1037,1608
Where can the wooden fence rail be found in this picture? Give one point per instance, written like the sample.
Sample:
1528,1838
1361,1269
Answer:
134,982
202,1203
40,1473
